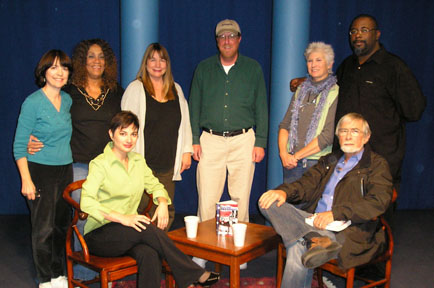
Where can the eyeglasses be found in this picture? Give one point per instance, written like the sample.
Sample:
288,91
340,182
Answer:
354,132
362,31
230,37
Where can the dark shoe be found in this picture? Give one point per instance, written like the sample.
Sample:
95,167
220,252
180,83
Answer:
320,250
213,278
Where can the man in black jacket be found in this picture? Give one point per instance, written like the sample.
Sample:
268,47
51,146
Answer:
381,87
353,184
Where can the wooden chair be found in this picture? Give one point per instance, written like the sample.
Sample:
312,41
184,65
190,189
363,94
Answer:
350,275
109,268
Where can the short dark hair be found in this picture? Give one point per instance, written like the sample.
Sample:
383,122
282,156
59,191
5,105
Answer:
123,119
366,16
47,60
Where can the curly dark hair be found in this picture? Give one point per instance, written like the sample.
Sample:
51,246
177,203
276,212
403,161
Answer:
79,77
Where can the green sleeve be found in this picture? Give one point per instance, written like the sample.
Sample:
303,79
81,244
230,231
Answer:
194,106
89,202
261,110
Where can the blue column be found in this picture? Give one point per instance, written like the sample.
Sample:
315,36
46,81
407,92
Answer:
139,28
290,38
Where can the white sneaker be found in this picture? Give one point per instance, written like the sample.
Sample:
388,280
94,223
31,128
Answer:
59,282
199,261
45,285
243,266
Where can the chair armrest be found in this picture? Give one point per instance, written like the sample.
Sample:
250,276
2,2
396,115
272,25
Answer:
71,188
78,214
83,244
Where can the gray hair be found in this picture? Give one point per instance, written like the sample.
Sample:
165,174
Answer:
351,117
322,47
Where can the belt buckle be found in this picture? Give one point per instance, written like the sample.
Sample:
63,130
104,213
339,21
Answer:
226,133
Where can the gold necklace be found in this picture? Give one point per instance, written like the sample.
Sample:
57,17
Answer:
94,103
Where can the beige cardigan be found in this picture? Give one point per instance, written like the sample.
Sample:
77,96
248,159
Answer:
134,100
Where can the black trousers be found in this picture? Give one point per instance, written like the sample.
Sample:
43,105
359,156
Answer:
148,247
165,178
50,216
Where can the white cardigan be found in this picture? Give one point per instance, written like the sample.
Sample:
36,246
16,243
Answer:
134,100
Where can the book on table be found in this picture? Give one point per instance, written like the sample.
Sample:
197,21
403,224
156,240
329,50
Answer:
226,215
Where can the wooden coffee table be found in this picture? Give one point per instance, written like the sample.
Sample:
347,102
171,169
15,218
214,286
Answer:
221,249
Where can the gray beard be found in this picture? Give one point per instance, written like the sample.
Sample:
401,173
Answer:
359,51
351,149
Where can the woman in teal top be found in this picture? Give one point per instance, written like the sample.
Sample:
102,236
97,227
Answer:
111,195
44,176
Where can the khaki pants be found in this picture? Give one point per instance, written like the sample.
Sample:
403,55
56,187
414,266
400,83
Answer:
221,156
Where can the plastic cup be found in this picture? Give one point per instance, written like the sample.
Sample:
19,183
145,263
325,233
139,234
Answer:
239,230
191,223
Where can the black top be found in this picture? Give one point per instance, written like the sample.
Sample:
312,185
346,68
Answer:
90,127
387,94
161,133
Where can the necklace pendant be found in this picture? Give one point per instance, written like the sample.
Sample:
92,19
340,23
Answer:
94,103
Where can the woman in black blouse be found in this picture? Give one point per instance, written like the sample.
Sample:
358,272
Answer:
165,132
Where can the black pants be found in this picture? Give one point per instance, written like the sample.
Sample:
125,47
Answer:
165,178
50,217
148,248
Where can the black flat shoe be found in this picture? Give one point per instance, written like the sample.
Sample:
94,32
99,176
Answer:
213,278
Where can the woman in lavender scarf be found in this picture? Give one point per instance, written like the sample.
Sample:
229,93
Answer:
306,131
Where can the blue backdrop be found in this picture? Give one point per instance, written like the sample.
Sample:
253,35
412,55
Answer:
186,28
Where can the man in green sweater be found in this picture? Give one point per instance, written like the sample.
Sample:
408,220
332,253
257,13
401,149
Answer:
227,99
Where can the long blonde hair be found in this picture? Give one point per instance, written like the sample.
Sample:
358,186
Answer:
168,82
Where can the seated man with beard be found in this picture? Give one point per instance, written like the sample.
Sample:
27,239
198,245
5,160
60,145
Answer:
353,184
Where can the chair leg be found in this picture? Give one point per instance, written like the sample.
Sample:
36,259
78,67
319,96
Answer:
104,280
319,277
280,265
350,277
70,271
388,273
169,280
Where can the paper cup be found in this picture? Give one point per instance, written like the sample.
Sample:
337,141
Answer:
191,223
239,230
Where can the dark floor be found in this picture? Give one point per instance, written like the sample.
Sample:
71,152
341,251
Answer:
413,261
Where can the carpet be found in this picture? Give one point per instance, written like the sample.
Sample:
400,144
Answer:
247,282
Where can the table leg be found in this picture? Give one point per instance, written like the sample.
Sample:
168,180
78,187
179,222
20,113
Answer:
234,278
218,267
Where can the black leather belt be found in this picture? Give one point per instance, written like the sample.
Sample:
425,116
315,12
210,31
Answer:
226,133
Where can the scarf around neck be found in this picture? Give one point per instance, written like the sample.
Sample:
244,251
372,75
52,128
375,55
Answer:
308,87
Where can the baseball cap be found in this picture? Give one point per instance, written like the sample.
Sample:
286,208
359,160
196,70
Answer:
227,25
